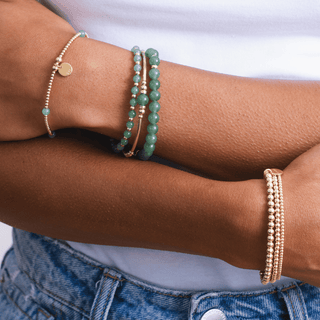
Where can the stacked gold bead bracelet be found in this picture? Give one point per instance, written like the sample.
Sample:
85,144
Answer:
65,69
275,244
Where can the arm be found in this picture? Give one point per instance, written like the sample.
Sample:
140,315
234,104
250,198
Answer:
79,191
75,190
223,126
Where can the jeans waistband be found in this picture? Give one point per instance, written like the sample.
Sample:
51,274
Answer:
85,287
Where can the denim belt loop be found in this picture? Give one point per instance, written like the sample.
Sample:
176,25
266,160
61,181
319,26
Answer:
294,300
108,285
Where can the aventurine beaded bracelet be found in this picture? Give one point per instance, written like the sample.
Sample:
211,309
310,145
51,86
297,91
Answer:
275,244
65,69
154,106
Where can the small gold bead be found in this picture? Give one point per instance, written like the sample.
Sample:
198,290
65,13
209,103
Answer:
270,224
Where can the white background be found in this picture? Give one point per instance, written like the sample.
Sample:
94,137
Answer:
5,239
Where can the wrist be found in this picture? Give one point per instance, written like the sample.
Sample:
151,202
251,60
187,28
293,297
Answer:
96,94
249,224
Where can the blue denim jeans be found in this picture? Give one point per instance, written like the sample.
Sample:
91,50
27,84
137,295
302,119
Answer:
45,279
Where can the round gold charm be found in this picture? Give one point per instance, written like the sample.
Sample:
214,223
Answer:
65,69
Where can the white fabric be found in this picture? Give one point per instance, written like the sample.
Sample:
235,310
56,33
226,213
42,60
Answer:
252,38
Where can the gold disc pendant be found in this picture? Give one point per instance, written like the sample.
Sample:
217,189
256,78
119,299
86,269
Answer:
65,69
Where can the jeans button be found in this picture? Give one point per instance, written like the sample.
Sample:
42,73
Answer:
214,314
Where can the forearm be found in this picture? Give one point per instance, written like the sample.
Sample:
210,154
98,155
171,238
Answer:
89,195
223,126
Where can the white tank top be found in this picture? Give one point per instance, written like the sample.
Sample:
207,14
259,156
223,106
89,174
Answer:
252,38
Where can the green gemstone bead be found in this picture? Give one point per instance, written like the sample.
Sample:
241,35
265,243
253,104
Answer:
133,102
148,154
134,90
153,118
151,138
137,67
132,114
127,134
154,84
149,147
136,78
120,147
130,124
154,106
155,95
135,48
154,61
137,58
152,128
151,53
154,74
124,142
83,33
143,99
45,111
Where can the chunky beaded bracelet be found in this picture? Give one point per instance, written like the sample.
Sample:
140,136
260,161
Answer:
64,69
133,102
154,106
275,244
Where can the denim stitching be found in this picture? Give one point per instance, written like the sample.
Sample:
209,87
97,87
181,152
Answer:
294,313
54,309
298,294
140,286
46,315
16,304
104,308
95,307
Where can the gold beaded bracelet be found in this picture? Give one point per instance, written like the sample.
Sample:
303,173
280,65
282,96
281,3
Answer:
275,244
64,69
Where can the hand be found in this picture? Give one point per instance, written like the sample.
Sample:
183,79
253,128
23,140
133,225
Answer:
301,191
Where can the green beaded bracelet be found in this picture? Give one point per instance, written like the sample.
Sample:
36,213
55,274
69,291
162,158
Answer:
133,102
154,106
